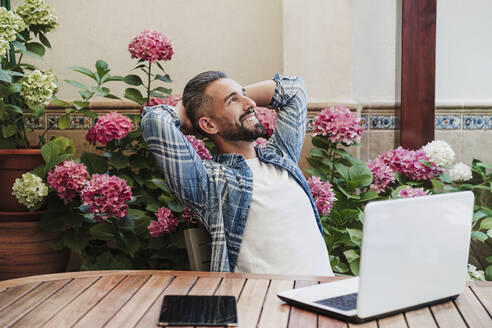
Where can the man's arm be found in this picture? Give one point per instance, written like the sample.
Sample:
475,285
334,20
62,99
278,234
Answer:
181,166
288,94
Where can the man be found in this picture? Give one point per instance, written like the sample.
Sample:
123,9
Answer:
255,203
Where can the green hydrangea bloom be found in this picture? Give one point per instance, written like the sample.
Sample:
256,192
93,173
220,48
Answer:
10,25
30,190
38,15
38,88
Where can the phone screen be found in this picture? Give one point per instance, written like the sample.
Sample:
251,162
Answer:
191,310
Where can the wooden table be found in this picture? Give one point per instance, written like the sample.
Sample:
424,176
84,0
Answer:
133,299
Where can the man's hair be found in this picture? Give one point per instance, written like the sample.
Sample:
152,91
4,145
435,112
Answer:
196,102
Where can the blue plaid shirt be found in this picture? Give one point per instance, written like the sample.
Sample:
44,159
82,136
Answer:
219,191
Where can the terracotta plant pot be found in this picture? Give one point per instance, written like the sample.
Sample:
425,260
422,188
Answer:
25,249
14,163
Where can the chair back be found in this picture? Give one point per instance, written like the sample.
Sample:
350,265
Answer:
198,246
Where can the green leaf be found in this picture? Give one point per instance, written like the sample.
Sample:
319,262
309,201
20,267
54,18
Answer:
161,184
128,242
321,142
164,90
63,122
355,235
135,95
488,273
486,224
346,193
102,68
20,46
103,231
176,206
444,177
77,84
10,89
369,195
317,152
354,260
52,221
360,172
342,170
316,172
164,78
125,223
50,152
59,102
139,162
485,165
44,40
119,161
84,71
36,48
437,185
489,233
133,79
5,77
80,104
13,109
111,78
73,219
95,163
478,215
478,235
76,240
9,130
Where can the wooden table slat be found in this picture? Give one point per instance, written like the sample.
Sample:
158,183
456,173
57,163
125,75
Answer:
16,310
395,321
136,307
231,286
179,286
112,302
447,315
327,322
299,317
275,312
420,318
71,313
370,324
55,303
12,294
484,294
472,310
251,301
205,286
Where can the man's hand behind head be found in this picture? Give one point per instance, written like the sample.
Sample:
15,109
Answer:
186,126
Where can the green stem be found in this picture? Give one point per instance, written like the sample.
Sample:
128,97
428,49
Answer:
148,84
20,58
332,157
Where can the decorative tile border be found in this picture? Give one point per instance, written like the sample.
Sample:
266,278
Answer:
448,122
34,123
76,121
386,122
477,122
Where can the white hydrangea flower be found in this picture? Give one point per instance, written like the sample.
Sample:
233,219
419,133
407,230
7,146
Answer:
460,172
439,152
10,25
38,88
38,15
29,190
474,274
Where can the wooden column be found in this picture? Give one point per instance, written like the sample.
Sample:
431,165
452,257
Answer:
417,72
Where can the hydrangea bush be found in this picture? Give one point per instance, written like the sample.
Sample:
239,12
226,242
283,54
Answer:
395,173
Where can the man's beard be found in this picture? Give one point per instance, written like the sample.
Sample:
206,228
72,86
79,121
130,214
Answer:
243,133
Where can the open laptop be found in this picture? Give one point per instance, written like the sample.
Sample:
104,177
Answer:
414,253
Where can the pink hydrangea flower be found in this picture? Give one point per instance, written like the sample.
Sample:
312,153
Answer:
323,195
151,46
262,142
68,178
339,124
410,192
408,163
382,175
166,223
106,196
190,218
109,127
171,100
199,147
267,117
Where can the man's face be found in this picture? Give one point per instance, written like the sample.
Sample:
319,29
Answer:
234,112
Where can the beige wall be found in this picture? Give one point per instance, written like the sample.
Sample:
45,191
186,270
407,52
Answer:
242,38
318,47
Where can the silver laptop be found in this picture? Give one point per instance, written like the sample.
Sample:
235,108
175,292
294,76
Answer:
414,253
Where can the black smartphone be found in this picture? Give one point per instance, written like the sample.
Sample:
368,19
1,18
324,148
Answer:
198,310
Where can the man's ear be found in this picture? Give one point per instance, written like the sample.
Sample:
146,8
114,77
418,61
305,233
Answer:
207,125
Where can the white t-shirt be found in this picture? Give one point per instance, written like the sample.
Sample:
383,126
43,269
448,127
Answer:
281,234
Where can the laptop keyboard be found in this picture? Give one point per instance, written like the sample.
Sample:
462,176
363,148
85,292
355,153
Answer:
345,302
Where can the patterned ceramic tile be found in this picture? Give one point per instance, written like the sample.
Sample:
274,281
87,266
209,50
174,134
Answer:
364,121
488,122
379,122
475,122
76,121
448,122
310,124
34,123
